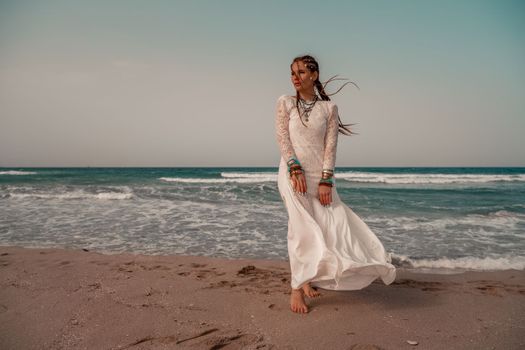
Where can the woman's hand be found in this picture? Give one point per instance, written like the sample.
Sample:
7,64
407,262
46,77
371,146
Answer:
325,194
299,183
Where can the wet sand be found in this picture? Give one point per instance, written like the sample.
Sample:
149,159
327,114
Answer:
76,299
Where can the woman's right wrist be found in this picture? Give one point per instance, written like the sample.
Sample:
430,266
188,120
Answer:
294,166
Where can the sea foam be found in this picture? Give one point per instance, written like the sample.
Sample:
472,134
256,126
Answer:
364,177
227,177
76,194
17,172
464,263
407,178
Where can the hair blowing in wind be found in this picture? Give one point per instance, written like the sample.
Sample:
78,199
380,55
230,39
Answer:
313,66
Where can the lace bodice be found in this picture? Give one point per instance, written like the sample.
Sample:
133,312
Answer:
315,145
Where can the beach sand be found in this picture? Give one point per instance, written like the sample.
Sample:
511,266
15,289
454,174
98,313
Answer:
77,299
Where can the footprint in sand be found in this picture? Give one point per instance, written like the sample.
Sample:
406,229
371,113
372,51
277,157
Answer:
429,286
497,288
197,265
211,338
200,273
132,266
257,280
155,267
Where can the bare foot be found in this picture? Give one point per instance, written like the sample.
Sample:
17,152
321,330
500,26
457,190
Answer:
297,301
310,292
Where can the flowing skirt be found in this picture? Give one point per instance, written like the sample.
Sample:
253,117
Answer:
330,247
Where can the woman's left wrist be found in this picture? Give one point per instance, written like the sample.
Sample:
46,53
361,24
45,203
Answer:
327,173
327,178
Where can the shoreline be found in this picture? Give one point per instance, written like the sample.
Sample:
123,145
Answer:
403,262
70,298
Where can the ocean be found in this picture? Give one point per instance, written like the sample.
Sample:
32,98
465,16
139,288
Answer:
437,219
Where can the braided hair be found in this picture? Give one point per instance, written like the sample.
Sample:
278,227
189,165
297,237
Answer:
312,65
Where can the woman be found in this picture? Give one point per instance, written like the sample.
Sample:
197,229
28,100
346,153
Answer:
329,246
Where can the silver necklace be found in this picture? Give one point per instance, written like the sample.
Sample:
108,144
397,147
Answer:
307,106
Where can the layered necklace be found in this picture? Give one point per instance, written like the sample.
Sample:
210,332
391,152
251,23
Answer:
307,106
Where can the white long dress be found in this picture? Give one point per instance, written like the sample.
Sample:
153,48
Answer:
330,247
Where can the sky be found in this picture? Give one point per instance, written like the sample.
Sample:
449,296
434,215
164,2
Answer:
195,83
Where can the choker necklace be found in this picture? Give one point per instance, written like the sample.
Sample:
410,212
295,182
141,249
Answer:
307,106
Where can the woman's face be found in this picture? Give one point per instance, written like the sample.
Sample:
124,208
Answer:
302,78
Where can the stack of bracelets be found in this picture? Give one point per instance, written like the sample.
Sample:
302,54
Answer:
326,178
295,168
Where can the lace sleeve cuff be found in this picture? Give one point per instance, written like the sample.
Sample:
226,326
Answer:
332,131
282,118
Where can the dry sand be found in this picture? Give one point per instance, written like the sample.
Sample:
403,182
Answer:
75,299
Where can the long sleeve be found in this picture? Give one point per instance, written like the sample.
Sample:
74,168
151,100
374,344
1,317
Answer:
330,141
282,130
